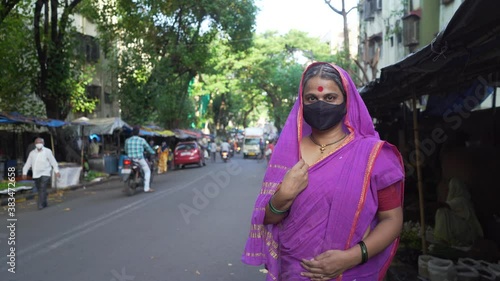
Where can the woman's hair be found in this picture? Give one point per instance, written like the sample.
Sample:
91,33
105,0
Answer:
324,71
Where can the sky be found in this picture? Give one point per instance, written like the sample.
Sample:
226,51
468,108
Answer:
312,16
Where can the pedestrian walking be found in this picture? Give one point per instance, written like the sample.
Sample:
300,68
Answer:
163,154
41,161
213,151
331,200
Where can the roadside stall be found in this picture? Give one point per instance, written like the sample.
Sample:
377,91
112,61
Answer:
14,157
108,132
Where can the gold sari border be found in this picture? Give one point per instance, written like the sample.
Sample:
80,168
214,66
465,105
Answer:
366,182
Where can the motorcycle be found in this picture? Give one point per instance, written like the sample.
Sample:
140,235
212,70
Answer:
133,176
224,156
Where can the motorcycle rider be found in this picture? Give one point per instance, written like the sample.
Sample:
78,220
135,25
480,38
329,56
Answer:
134,147
269,150
225,146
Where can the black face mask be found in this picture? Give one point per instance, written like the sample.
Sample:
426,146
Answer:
322,115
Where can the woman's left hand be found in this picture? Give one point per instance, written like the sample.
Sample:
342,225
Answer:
327,265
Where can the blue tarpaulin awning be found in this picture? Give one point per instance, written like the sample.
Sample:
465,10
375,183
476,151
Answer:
17,118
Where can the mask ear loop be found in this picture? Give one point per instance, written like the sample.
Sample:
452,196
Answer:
345,90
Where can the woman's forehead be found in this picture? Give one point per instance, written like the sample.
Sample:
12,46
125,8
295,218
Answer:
321,85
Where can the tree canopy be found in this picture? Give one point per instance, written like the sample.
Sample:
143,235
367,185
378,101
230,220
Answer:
161,46
175,63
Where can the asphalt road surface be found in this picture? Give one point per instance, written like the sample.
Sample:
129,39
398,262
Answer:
193,227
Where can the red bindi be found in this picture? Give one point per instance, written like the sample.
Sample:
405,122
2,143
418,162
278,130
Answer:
320,88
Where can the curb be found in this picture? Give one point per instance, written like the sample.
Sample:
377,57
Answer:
31,196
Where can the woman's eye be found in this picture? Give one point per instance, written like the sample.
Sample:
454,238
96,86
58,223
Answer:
330,98
311,98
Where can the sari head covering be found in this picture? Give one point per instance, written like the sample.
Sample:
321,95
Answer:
340,202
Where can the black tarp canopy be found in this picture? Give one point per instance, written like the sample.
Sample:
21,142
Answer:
466,51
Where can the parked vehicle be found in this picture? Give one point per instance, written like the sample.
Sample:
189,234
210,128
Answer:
133,176
187,153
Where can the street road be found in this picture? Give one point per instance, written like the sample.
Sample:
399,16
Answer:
193,227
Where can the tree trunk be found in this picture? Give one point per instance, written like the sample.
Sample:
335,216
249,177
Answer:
245,117
51,55
276,104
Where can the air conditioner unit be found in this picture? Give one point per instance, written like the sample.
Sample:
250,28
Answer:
411,25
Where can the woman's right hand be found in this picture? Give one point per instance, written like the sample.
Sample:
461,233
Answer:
295,180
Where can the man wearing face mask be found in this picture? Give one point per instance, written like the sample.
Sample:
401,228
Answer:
41,161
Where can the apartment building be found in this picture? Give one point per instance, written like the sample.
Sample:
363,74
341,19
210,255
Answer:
104,83
390,30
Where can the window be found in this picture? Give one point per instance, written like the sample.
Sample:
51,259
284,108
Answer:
93,91
369,9
372,48
411,30
89,48
107,98
375,48
399,32
379,5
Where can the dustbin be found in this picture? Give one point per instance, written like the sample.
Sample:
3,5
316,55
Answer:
111,164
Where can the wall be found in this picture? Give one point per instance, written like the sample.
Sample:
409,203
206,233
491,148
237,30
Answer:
103,78
446,12
429,23
383,23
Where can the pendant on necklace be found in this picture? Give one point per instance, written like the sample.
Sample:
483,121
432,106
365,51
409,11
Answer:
322,148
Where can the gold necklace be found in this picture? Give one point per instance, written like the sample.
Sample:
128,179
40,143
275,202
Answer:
322,147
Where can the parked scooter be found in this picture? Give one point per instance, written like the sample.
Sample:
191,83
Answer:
133,176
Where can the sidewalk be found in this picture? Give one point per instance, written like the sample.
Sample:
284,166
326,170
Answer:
22,197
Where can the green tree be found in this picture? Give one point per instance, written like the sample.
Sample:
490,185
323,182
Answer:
232,89
61,77
164,46
6,6
266,74
17,58
276,65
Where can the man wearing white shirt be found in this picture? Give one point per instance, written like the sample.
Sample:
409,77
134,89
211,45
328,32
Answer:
41,161
225,146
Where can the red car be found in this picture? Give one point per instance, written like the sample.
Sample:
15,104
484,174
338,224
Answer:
188,152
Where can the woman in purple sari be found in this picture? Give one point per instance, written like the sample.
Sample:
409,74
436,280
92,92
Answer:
330,206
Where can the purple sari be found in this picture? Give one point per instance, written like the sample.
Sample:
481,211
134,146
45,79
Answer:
339,204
